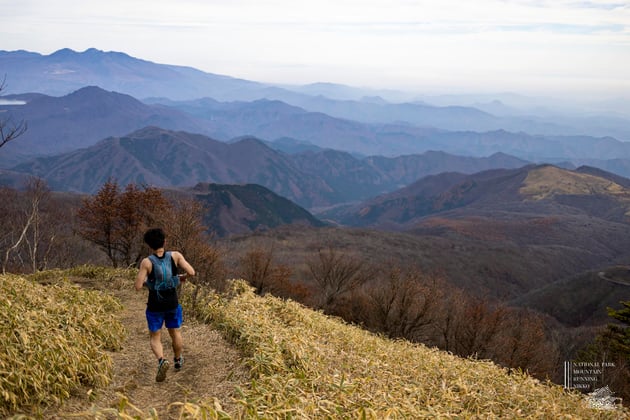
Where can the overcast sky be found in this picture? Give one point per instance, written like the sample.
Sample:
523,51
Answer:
527,46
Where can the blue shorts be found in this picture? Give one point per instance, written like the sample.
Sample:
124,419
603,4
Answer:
172,319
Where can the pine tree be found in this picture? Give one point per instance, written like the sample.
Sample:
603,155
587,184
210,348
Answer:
618,336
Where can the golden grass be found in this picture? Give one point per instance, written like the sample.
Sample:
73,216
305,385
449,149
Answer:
303,364
53,341
308,365
547,181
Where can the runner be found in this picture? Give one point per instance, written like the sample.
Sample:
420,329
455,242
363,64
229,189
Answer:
159,273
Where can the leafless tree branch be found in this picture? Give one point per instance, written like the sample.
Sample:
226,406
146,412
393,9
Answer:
9,130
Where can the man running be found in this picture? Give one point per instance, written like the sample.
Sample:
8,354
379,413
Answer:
159,273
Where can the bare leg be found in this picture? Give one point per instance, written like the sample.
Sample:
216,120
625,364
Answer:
177,341
156,344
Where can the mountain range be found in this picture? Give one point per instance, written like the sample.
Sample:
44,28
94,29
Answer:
166,158
80,119
65,71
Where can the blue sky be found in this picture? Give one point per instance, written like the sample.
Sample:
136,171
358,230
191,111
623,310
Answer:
564,47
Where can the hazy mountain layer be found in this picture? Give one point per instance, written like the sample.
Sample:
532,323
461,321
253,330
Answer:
66,70
166,158
80,119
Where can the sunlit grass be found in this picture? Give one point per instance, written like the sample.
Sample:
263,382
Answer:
303,364
308,365
53,341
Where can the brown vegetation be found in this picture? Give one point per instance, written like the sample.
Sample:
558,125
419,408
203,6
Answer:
381,294
301,363
115,220
412,305
264,274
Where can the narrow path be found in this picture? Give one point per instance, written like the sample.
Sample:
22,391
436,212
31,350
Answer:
212,368
602,275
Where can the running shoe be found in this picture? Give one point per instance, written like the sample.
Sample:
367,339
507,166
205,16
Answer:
161,372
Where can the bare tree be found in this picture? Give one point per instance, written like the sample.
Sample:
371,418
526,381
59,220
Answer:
258,267
97,219
403,305
336,274
523,343
8,129
478,324
37,194
138,208
47,222
187,233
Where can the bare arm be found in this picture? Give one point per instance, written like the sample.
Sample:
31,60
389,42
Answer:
143,273
181,262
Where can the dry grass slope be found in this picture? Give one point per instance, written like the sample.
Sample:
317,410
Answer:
302,363
548,181
54,341
307,365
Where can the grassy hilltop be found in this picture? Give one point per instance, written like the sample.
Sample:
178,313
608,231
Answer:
58,337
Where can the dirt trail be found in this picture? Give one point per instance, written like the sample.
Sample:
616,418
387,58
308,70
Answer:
212,368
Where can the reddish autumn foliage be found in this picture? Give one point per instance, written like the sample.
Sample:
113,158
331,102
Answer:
115,220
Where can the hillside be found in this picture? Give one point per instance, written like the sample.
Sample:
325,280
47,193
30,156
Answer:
301,363
536,231
543,189
164,158
595,291
356,179
485,256
104,338
241,209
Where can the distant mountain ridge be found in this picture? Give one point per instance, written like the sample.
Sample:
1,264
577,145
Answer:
65,71
537,189
80,119
272,119
165,158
